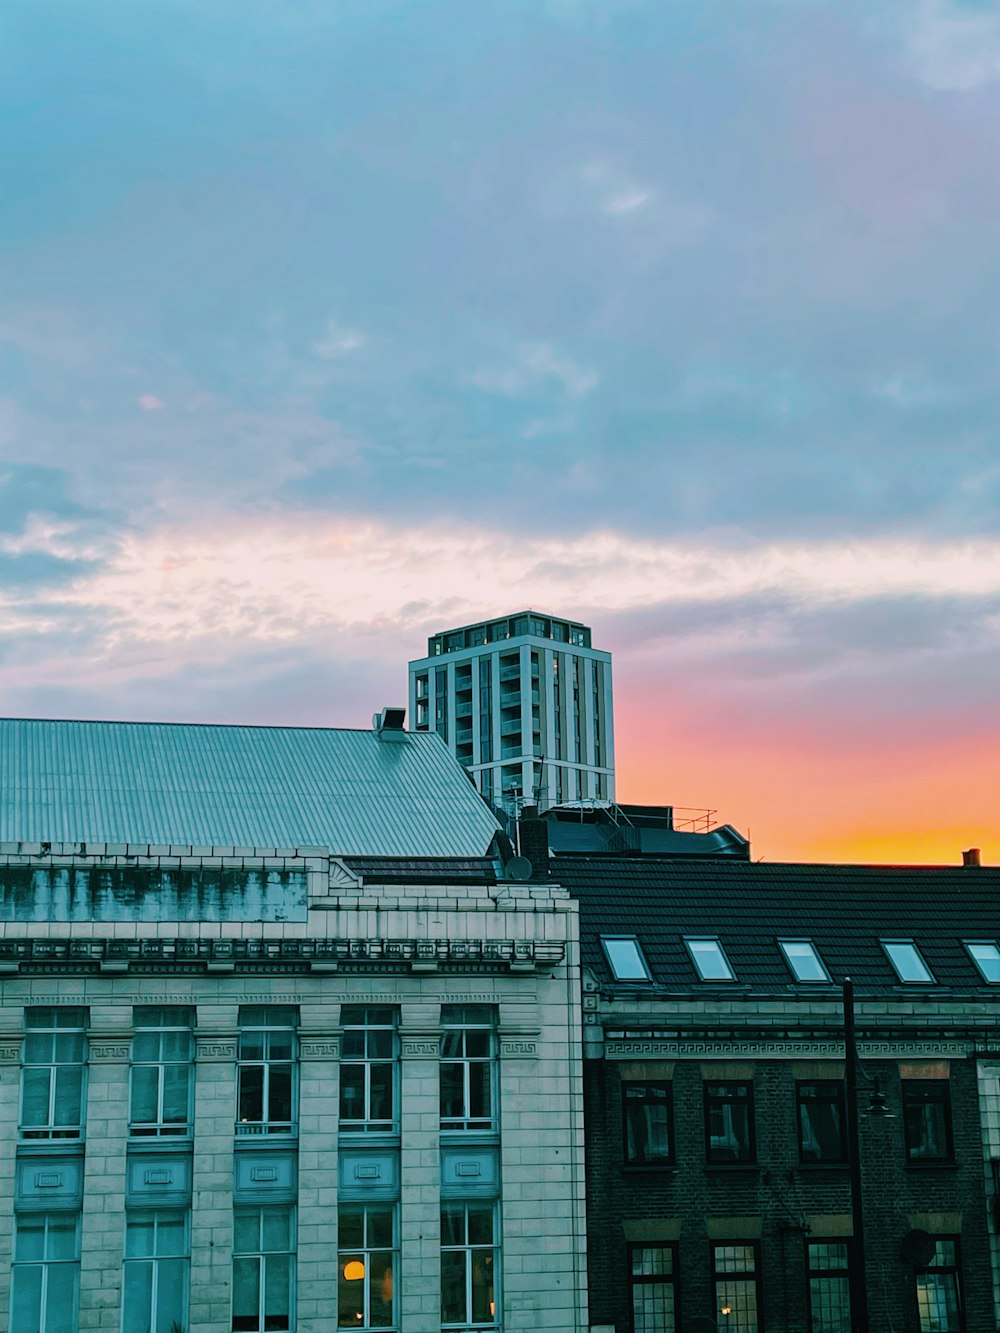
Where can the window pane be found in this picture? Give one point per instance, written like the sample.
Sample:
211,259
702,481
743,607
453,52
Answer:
175,1094
145,1091
710,960
246,1294
69,1089
137,1297
30,1242
352,1092
906,959
479,1092
653,1308
277,1291
381,1289
452,1092
380,1228
481,1224
937,1302
804,961
277,1229
381,1092
171,1302
280,1093
625,957
453,1225
482,1286
60,1304
26,1298
351,1291
830,1305
35,1104
251,1104
987,959
647,1123
139,1237
352,1236
246,1230
453,1286
62,1237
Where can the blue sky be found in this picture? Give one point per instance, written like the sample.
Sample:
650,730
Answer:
325,325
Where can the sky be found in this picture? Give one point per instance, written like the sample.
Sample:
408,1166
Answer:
328,324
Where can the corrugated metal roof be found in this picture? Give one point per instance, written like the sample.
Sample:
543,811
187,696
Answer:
237,786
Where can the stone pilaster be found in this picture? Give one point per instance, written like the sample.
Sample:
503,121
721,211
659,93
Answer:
103,1223
319,1096
420,1209
212,1196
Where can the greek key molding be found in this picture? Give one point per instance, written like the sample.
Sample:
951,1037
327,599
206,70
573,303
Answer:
319,1048
416,1048
102,1050
519,1047
216,1049
765,1050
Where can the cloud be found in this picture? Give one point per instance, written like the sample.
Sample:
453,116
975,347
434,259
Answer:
952,46
536,365
338,341
150,403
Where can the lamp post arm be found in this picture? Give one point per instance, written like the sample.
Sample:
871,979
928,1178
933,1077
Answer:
859,1289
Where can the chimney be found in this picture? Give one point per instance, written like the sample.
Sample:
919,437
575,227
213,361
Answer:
972,857
388,725
533,840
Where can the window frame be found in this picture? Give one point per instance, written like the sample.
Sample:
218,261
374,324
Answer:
640,958
156,1260
722,1277
262,1255
161,1128
728,978
272,1030
824,980
367,1123
469,1249
888,944
836,1096
60,1026
363,1254
638,1281
712,1156
916,1093
47,1263
452,1023
816,1273
954,1269
629,1092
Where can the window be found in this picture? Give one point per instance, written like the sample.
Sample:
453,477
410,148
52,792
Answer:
907,962
927,1120
52,1073
367,1267
468,1067
368,1064
829,1286
155,1295
263,1269
625,958
737,1299
469,1294
647,1110
821,1121
162,1052
729,1122
939,1304
986,956
709,959
46,1273
803,961
652,1275
267,1050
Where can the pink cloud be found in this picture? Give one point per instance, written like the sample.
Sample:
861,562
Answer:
150,403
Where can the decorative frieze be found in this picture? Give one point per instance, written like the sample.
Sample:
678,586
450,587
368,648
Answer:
762,1049
107,1050
216,1049
319,1048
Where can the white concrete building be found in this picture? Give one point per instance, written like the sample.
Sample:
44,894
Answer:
280,1047
524,703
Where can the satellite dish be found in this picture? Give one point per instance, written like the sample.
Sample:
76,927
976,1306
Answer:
918,1248
519,868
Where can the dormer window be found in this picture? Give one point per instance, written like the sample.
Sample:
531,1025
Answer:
803,961
907,962
986,956
709,958
625,958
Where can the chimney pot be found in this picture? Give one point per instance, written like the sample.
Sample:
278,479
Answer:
972,857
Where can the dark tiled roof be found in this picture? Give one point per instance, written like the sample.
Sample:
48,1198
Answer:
843,909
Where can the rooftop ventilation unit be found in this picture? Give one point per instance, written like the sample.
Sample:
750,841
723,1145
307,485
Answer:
388,725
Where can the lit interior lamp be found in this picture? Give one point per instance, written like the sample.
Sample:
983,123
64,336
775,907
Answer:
726,1310
354,1270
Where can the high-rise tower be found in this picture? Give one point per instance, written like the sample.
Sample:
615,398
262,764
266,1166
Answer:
524,703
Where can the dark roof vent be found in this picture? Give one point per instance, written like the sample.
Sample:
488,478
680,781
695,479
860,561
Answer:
388,725
972,857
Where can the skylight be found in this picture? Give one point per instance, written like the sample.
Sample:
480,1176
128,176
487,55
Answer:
709,959
986,956
905,958
625,958
803,960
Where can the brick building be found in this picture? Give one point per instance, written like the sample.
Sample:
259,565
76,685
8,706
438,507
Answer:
719,1191
280,1048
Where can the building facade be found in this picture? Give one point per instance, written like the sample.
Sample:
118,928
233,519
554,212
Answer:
271,1084
718,1134
524,702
